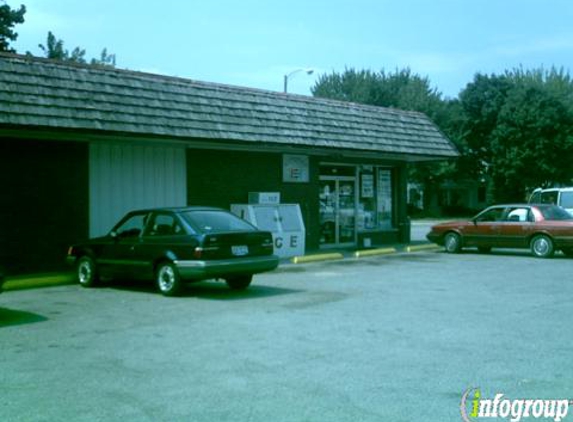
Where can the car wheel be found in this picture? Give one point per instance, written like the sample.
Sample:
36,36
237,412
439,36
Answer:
542,246
568,252
240,282
168,279
453,242
86,272
484,249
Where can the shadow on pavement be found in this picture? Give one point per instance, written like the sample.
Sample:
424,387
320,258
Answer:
10,317
220,291
211,290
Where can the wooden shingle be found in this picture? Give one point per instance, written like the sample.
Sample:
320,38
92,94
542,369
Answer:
43,94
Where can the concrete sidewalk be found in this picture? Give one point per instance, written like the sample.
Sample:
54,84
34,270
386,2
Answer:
360,253
33,281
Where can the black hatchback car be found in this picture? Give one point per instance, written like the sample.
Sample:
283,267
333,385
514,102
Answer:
174,245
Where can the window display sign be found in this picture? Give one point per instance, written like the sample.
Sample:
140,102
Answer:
384,198
367,186
295,168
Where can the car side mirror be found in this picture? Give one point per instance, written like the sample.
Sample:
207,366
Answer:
113,234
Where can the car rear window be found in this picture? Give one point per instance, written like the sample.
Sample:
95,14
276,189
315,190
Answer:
555,213
212,221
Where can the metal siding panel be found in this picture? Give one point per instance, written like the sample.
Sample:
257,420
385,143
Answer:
180,169
127,177
138,175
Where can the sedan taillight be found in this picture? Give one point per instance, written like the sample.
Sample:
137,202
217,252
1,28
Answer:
268,244
199,251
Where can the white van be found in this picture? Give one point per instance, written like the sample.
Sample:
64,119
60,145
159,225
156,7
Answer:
558,196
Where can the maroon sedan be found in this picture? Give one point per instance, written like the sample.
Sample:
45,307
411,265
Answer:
542,228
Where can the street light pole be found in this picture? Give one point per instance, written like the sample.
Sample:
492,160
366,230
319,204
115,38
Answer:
307,71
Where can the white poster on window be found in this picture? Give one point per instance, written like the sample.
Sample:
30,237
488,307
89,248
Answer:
385,198
367,186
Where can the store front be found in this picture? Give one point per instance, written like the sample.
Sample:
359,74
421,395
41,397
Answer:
76,139
355,204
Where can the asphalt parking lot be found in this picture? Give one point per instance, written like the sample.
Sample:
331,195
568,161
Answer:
388,338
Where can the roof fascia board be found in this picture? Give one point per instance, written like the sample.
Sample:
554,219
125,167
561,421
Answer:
337,153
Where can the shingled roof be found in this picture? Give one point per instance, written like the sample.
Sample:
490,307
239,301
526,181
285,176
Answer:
43,94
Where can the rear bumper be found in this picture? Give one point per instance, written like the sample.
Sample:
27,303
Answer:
226,267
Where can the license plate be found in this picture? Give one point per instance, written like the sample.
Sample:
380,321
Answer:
240,250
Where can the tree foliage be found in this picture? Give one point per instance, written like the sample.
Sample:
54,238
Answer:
519,130
8,19
400,89
54,49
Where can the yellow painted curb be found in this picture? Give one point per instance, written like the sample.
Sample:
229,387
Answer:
33,282
372,252
316,258
417,248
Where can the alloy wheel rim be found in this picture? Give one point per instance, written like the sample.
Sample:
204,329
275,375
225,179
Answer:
85,272
541,246
166,278
451,243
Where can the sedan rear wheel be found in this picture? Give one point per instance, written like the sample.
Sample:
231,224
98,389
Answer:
542,246
240,282
86,272
168,279
453,242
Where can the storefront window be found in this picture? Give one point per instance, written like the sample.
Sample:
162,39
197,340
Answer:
353,199
375,199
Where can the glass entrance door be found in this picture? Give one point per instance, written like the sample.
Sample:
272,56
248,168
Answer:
337,210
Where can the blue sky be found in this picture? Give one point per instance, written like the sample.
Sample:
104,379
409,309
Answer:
254,43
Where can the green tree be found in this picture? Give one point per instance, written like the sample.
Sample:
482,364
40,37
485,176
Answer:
105,59
400,89
532,144
54,49
8,19
519,130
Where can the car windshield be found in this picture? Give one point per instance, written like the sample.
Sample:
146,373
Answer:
555,213
212,221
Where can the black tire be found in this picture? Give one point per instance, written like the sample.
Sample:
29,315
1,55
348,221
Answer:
452,242
542,246
484,249
568,252
86,272
167,279
240,282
